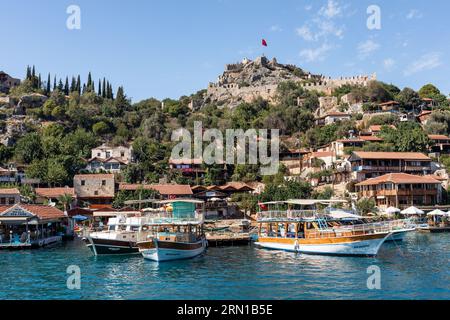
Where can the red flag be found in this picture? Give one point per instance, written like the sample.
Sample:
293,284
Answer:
264,42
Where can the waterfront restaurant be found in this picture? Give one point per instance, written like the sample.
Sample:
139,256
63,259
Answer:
24,226
401,190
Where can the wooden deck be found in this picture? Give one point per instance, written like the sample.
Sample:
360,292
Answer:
228,239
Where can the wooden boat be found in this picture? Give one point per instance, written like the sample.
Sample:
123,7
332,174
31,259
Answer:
174,233
119,238
305,230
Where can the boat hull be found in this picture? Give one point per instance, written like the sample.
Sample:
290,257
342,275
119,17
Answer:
110,247
398,235
365,245
157,250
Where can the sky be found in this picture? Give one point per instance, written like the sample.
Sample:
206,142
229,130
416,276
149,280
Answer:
168,48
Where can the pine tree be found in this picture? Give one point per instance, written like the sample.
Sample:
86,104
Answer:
121,99
47,91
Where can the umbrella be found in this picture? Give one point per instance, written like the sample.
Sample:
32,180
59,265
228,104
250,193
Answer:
436,212
412,211
392,210
79,218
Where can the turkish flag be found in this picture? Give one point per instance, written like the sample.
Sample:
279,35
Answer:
264,42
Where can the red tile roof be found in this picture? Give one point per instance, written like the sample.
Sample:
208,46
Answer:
9,191
164,189
42,212
392,155
438,137
371,138
54,192
377,128
399,178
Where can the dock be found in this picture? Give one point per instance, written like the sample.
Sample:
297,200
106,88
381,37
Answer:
228,239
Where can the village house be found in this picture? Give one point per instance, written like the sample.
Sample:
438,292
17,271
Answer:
376,129
339,146
390,106
7,82
367,165
401,190
109,159
9,196
424,116
292,159
188,167
439,143
332,117
95,190
52,195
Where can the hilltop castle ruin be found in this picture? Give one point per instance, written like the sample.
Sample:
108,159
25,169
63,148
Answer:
247,80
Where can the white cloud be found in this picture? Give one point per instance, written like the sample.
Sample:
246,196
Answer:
276,28
306,33
366,48
414,14
308,7
317,54
389,63
426,62
331,10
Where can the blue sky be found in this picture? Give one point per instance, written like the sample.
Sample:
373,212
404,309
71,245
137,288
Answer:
170,48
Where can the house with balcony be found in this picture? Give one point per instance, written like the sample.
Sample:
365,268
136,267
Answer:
401,190
166,191
95,190
192,168
109,159
366,165
439,143
332,117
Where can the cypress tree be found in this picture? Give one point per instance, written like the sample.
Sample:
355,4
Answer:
84,88
99,88
66,86
54,83
28,73
33,73
79,84
39,81
89,82
73,85
60,86
48,84
103,88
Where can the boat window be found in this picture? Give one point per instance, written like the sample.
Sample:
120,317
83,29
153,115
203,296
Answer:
112,228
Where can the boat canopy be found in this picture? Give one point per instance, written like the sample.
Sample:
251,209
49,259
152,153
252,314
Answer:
304,202
181,200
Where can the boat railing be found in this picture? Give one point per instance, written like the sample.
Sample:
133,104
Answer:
286,214
351,230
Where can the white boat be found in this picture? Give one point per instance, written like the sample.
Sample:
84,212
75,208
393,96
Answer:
119,238
308,231
173,233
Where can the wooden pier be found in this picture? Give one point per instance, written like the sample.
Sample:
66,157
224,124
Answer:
228,239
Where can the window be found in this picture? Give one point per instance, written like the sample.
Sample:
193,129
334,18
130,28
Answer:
103,182
96,193
122,154
83,183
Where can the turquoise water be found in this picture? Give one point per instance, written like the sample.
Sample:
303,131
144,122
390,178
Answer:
416,269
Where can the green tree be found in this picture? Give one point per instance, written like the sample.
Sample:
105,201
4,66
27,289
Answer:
29,148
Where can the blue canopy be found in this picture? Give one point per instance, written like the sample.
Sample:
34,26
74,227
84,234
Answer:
79,218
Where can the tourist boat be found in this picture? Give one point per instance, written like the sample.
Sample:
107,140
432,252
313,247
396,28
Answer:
174,232
119,238
305,230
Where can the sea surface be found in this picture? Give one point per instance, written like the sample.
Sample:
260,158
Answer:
418,268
